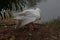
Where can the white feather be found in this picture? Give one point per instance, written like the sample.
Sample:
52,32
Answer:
28,16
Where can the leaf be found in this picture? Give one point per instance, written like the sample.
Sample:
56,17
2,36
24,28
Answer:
12,38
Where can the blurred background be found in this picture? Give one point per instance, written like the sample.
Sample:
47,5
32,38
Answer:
50,9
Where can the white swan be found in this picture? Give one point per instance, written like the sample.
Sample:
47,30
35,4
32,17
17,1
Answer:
28,16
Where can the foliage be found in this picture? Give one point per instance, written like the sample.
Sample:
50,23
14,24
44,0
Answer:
12,37
55,23
19,4
5,15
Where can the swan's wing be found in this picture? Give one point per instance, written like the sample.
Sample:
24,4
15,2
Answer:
28,16
27,20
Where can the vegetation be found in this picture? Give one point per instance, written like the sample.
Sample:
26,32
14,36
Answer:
19,4
47,31
53,23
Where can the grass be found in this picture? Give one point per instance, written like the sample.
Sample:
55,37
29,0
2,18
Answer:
55,23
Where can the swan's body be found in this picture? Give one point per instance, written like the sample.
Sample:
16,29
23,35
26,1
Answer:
28,16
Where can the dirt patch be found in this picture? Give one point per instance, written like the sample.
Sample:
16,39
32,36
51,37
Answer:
43,33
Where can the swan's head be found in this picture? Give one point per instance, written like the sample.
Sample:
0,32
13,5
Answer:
38,11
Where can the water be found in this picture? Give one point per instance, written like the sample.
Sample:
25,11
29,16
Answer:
50,9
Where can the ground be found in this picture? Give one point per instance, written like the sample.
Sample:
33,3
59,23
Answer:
47,31
43,33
